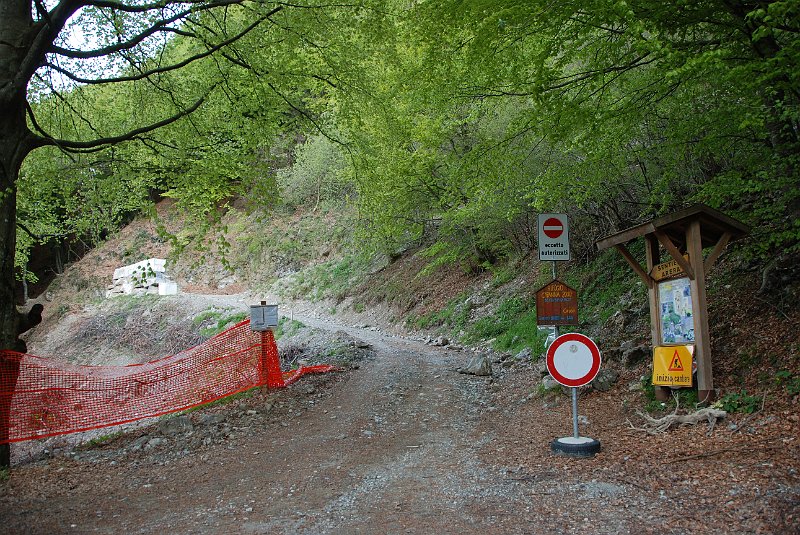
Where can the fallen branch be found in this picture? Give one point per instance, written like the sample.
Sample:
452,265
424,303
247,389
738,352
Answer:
655,426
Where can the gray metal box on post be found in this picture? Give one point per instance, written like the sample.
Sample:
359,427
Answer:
263,317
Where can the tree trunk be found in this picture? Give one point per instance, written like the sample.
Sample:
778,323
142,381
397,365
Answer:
8,311
16,141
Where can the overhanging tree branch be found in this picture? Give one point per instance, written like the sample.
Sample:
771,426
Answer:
99,143
175,66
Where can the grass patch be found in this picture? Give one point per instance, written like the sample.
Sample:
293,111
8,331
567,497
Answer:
217,321
101,440
512,326
454,316
506,315
600,296
287,327
522,333
329,279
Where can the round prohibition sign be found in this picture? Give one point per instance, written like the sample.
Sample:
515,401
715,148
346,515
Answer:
553,228
573,359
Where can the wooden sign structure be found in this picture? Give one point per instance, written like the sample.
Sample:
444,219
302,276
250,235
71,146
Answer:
683,235
556,304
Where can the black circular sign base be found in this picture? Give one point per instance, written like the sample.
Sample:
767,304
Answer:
575,447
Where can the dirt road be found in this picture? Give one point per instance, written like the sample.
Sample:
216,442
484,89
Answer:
391,446
403,444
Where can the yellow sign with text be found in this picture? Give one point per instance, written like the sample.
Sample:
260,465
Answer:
672,365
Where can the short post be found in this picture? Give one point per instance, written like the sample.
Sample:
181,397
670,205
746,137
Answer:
263,319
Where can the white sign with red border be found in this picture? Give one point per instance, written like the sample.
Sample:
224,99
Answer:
573,359
553,237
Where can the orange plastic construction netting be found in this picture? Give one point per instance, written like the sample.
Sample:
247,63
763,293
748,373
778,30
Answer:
41,397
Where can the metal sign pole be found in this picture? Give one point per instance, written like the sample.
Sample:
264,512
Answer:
574,389
575,411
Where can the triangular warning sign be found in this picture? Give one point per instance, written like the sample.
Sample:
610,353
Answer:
676,365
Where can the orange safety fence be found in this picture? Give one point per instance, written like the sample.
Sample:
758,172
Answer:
41,397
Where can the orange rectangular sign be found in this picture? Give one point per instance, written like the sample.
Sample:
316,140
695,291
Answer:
672,365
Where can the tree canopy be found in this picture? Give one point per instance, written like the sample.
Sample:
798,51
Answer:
450,124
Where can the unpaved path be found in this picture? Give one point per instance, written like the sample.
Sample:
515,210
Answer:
404,444
392,446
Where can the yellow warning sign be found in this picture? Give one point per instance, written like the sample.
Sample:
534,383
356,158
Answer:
672,365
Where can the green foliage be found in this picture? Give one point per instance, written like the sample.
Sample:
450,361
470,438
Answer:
453,316
215,321
618,287
507,312
685,398
328,279
315,177
789,381
142,273
739,402
102,440
522,333
512,325
618,110
287,327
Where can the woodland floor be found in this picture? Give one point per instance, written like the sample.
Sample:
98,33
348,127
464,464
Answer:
406,444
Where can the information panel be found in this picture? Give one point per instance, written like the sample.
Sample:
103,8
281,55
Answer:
675,311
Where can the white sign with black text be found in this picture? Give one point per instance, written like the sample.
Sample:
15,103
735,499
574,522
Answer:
553,237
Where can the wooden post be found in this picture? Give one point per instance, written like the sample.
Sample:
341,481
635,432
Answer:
702,342
654,258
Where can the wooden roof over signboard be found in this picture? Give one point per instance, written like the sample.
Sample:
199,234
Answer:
713,224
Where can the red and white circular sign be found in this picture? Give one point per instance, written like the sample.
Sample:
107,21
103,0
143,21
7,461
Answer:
552,228
573,359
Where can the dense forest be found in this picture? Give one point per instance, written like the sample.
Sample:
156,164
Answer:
445,124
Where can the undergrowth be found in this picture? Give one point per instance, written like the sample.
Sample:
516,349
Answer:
287,327
685,398
216,321
331,279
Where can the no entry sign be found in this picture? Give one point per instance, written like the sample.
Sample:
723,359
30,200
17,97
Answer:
553,237
573,359
552,228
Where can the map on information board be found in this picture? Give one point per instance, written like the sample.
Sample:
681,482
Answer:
675,309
